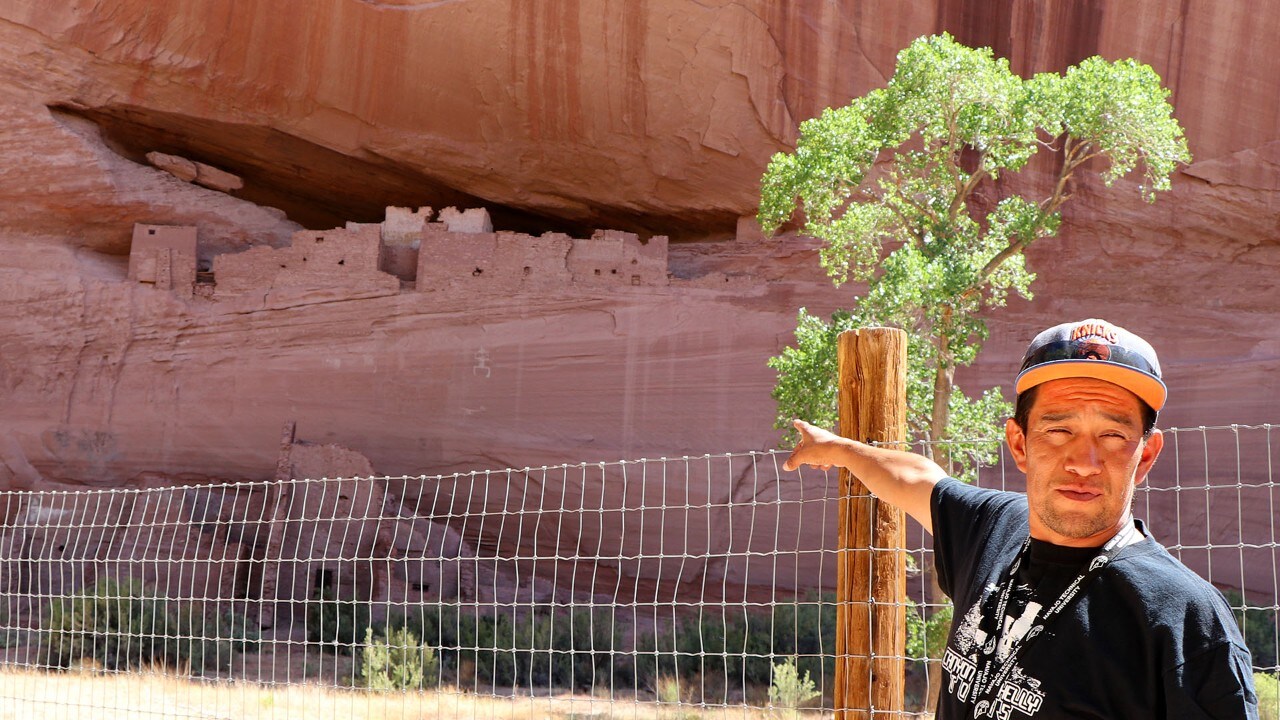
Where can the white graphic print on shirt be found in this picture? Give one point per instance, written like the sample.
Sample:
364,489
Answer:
1019,692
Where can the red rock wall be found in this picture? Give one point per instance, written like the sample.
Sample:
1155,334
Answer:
653,117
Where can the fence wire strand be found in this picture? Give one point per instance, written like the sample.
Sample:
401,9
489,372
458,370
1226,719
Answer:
685,587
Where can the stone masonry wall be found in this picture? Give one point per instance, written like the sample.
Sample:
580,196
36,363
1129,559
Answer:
348,258
164,256
507,261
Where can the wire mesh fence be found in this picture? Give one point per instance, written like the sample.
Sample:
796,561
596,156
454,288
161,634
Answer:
662,588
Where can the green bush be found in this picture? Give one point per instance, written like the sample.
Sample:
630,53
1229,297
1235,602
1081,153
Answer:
581,648
338,626
789,690
222,636
10,634
1259,627
398,661
122,625
735,647
1268,687
723,647
927,638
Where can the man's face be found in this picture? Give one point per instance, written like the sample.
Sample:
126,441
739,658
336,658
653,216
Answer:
1083,454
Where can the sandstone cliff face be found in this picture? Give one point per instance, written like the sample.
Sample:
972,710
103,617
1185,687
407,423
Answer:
566,115
354,105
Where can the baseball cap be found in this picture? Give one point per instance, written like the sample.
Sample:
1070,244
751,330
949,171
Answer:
1094,349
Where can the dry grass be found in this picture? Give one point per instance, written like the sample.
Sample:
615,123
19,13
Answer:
95,696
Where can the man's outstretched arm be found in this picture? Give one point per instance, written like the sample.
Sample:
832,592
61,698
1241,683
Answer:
899,478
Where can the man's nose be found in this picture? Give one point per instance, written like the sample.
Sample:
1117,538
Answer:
1084,458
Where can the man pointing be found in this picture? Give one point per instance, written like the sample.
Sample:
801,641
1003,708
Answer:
1066,606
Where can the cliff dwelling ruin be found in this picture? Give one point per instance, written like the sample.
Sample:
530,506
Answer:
408,251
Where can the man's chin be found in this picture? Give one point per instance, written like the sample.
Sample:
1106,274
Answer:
1074,527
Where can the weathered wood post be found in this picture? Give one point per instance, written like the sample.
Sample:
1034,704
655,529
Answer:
871,581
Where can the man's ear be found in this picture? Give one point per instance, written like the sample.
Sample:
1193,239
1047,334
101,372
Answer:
1151,448
1017,443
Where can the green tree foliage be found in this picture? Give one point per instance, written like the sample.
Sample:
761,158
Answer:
893,184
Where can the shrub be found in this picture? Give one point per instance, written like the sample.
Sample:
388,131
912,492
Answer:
580,648
1268,687
337,625
10,634
736,646
222,635
671,690
927,638
586,649
789,691
397,662
122,625
1259,627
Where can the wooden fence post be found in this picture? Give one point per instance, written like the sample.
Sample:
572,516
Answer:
871,580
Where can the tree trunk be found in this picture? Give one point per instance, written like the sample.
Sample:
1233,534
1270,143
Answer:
943,383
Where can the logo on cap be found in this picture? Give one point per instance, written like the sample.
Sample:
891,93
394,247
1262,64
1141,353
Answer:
1101,330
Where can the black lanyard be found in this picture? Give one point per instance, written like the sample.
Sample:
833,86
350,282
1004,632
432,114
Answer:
993,672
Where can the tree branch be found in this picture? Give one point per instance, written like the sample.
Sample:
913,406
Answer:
963,193
1048,206
906,224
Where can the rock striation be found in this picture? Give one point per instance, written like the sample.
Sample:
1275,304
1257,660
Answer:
651,118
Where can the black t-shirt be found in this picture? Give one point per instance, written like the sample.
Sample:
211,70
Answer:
1145,638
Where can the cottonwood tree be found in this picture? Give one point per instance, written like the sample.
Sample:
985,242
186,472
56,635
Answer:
893,185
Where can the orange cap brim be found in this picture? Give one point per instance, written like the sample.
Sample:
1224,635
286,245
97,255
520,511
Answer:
1148,388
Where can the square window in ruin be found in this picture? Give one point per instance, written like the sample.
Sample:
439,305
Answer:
326,581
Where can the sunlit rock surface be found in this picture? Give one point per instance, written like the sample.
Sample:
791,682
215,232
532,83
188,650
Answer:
560,116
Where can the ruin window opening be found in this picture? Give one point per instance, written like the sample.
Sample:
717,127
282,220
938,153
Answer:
477,272
326,581
597,271
528,271
342,261
151,231
613,271
319,239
